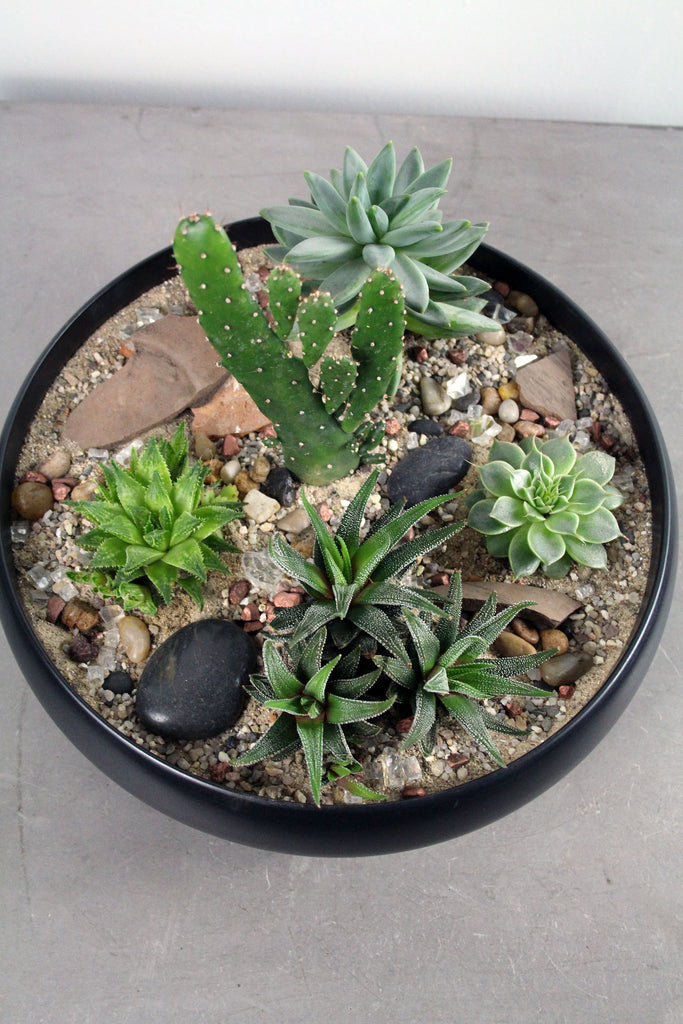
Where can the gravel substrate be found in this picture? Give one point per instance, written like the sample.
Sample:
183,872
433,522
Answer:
601,627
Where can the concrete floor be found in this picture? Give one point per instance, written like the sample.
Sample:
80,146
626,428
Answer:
567,911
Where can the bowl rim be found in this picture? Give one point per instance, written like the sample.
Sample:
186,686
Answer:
343,830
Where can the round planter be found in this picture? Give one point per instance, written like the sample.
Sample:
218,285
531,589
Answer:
346,830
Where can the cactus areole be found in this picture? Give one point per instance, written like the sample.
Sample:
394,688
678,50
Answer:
324,427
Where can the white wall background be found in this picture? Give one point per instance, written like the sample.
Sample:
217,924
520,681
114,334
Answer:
617,61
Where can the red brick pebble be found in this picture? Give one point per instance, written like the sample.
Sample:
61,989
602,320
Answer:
219,771
502,287
419,354
459,429
457,760
457,356
62,487
238,591
231,445
392,427
529,415
286,599
403,726
412,791
253,627
325,512
250,612
526,429
440,579
567,691
55,607
33,477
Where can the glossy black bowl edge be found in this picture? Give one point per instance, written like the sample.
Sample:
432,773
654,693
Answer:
344,830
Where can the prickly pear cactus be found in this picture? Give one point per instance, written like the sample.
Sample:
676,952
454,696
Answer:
324,428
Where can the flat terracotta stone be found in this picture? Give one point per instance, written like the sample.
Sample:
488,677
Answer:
547,386
230,411
550,606
172,368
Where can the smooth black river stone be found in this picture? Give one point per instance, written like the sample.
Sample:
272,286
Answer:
433,469
431,427
279,484
191,687
119,682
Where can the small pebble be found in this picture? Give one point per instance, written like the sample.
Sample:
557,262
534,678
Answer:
57,465
204,448
32,500
509,645
526,429
490,401
509,390
229,471
280,486
84,491
260,469
119,682
554,638
134,638
435,400
80,615
524,629
565,668
508,411
494,338
523,303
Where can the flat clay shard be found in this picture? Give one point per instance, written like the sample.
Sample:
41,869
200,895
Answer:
173,367
550,607
230,411
547,386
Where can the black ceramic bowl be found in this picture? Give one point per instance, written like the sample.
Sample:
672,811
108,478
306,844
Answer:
347,830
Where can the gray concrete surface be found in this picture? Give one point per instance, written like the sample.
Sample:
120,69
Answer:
566,912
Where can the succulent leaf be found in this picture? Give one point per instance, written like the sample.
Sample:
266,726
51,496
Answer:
382,217
152,531
313,711
539,504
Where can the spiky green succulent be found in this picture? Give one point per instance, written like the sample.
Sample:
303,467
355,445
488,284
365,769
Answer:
350,582
318,708
365,218
156,526
447,667
539,504
320,405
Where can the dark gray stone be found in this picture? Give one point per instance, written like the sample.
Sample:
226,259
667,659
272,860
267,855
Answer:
118,682
463,403
495,307
191,687
279,484
565,668
431,427
434,469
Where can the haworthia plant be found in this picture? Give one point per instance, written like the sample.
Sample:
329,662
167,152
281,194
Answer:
156,526
322,421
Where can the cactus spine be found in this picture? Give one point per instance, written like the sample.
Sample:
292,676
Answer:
324,429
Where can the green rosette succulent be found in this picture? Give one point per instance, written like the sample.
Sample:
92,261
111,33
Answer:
349,583
370,217
319,708
156,526
447,667
539,504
